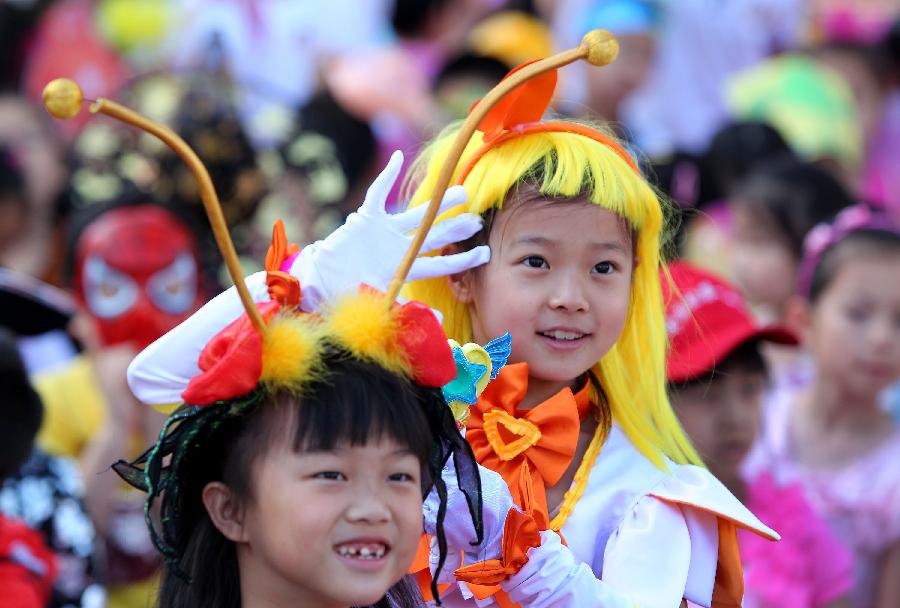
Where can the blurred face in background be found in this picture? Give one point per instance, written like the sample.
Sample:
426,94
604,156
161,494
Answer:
40,153
610,85
137,274
721,416
763,263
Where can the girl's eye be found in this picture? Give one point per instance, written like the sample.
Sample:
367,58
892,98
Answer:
535,261
604,268
405,477
330,475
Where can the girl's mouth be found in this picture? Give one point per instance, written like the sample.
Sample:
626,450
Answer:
360,550
563,339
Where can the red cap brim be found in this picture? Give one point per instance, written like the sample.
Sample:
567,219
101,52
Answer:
685,366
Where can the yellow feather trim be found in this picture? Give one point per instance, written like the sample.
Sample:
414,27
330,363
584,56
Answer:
291,352
365,325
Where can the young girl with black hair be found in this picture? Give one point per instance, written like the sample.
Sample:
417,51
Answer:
832,434
304,500
295,470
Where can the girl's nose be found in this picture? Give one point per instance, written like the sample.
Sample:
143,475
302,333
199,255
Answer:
368,505
569,294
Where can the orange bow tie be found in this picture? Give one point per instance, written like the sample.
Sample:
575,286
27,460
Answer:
539,442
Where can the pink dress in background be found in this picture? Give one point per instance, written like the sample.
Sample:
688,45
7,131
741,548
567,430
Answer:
860,500
808,568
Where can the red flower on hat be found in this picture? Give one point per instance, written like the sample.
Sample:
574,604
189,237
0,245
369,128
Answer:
231,363
423,339
524,105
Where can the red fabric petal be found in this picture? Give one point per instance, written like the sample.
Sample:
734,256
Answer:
424,341
231,363
524,104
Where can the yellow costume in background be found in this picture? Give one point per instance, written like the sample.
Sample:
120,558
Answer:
74,412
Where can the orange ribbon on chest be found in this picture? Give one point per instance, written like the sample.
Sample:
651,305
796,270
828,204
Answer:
538,442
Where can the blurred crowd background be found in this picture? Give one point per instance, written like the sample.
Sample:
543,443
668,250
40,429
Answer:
757,119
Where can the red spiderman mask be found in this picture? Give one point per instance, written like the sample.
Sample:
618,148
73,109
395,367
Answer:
136,273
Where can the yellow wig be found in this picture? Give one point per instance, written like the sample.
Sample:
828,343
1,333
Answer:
568,165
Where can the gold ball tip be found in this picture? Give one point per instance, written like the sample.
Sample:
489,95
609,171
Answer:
601,47
63,98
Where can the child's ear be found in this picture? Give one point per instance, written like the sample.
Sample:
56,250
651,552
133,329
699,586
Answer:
461,282
225,510
797,316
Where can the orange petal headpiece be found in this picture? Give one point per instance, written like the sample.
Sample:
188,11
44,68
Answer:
520,112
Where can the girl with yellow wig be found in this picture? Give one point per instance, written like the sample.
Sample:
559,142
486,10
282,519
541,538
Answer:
578,423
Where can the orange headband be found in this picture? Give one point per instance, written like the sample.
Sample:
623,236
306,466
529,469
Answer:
520,112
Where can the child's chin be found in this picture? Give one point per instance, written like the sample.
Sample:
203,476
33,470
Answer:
367,589
364,597
557,372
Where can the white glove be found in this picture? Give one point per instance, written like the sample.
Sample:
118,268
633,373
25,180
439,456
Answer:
369,246
458,528
366,249
553,578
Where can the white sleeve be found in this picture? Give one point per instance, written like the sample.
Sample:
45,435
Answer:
646,564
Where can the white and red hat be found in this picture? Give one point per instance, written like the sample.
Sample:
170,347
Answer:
706,320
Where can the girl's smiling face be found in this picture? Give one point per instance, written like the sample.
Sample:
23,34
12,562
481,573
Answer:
330,528
559,281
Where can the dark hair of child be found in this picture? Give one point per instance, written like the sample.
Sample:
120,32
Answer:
793,196
867,241
746,357
737,149
21,410
353,402
410,17
472,65
891,45
351,147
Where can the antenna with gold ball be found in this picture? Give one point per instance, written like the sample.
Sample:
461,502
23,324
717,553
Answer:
63,99
598,47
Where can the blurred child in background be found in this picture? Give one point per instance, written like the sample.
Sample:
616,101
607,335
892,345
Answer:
700,186
717,377
27,566
136,275
36,155
834,434
46,538
773,210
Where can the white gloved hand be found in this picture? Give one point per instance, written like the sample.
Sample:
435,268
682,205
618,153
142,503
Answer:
369,246
366,249
458,528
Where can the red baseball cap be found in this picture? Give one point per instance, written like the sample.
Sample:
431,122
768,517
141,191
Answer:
706,320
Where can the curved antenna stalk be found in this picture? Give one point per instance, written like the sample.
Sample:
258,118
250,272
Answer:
63,99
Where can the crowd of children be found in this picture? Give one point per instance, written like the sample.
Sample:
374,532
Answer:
554,410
